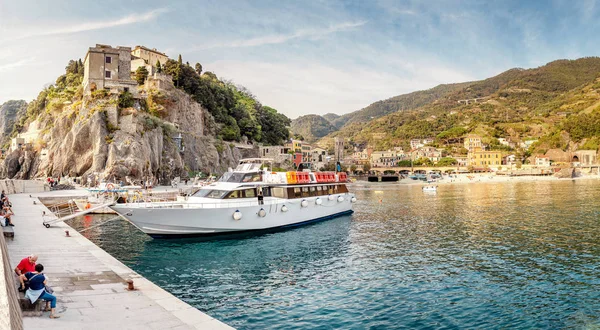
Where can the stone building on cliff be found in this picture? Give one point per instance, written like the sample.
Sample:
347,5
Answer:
106,67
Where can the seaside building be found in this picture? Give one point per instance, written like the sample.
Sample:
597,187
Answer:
17,144
279,154
318,154
541,160
510,160
461,160
428,152
306,152
479,158
108,68
472,142
143,56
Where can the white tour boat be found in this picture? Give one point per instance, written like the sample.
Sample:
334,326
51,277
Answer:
232,204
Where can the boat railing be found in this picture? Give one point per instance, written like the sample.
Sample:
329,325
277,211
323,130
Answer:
170,204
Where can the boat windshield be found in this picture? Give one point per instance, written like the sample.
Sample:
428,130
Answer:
240,177
211,193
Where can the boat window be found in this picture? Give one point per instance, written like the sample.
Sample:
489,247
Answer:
313,191
330,190
305,192
232,177
252,177
297,192
266,191
248,193
278,192
209,193
235,194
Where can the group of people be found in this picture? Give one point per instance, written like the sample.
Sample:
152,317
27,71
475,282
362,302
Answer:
6,211
35,284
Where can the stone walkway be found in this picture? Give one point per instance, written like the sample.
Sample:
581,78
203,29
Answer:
90,284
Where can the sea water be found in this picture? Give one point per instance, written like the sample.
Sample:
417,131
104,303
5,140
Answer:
484,255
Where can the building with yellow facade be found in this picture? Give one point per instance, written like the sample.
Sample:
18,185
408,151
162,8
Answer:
480,158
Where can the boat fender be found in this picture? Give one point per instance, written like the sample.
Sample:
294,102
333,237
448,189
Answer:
262,213
318,201
237,215
304,203
353,199
284,208
331,197
340,199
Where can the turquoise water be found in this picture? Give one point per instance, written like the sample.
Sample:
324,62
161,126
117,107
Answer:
488,256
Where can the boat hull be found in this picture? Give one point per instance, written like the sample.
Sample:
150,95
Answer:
182,220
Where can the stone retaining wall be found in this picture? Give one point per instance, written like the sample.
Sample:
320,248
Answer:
10,310
22,186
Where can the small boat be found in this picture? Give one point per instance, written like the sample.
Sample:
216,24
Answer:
249,198
429,188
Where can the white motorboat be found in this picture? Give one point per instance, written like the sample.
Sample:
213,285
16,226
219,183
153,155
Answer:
232,204
429,189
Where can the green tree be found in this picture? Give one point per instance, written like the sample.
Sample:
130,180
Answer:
352,168
158,67
198,68
125,100
141,74
404,163
366,167
447,161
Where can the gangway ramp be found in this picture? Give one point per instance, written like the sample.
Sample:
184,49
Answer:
60,214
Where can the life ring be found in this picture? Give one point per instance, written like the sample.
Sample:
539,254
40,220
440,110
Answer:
110,186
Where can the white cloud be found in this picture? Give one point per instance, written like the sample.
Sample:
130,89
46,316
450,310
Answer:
14,65
301,88
281,38
89,26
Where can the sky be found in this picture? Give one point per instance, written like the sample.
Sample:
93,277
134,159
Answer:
302,57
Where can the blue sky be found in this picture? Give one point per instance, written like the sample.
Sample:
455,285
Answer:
302,57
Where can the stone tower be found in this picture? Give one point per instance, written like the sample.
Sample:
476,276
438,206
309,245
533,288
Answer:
339,149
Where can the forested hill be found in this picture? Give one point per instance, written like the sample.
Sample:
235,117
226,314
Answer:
397,103
311,127
557,104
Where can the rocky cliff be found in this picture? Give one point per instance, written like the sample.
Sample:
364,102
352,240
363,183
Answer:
99,136
9,112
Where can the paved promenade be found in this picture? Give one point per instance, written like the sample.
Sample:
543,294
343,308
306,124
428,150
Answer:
90,284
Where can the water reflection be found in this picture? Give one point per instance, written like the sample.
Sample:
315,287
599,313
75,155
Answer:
493,255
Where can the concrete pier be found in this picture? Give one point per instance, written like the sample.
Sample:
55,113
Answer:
90,284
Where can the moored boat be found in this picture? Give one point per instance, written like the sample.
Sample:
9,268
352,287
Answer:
248,198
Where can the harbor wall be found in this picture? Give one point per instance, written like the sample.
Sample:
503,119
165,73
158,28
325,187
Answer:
10,310
11,186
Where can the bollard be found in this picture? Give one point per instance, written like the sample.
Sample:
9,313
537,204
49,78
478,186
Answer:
43,212
34,203
130,285
67,233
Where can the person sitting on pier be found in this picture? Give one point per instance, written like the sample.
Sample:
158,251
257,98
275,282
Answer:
26,265
37,289
5,218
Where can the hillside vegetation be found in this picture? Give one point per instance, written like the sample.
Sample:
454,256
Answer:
557,104
311,127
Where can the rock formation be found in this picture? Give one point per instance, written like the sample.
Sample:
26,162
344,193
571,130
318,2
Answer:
96,137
